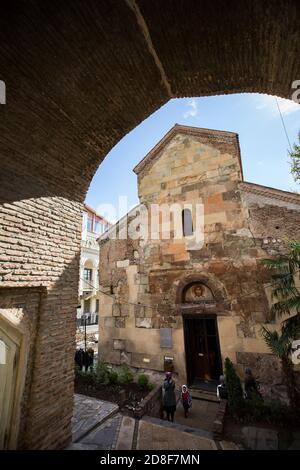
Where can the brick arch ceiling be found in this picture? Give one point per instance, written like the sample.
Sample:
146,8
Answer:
81,74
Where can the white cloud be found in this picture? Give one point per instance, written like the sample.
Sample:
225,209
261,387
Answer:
193,111
268,103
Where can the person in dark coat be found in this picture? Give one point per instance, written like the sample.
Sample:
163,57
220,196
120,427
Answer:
250,385
169,397
89,359
79,358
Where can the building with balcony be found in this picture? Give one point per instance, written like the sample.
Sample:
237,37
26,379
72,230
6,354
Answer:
93,225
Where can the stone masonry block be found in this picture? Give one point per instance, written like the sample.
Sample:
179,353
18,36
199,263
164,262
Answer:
119,344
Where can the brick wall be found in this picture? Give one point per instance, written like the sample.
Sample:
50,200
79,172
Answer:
40,247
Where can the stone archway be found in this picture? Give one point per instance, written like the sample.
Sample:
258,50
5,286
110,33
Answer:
80,76
201,300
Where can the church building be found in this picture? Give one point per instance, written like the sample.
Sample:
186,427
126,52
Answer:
185,302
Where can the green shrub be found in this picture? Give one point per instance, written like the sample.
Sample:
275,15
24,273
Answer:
234,389
102,374
113,377
256,410
125,375
143,381
78,372
273,412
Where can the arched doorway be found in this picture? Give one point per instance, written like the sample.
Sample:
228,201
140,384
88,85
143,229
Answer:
202,348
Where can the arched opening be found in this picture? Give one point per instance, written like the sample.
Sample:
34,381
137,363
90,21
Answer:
201,338
246,114
66,110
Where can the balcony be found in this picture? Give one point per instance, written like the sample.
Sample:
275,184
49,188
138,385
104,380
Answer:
91,319
87,286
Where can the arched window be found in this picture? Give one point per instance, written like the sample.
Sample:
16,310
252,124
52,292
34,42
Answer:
187,223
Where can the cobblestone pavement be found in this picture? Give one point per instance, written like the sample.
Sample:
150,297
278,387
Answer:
105,436
89,413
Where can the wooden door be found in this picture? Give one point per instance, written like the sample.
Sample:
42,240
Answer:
202,349
8,371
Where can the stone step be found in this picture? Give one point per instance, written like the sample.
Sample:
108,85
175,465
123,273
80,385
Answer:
228,445
125,438
199,394
179,427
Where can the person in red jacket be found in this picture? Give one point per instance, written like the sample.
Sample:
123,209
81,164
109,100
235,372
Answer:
186,400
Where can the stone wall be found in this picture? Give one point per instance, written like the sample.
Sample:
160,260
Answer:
150,406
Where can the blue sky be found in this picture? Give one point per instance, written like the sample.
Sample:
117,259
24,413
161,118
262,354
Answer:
255,117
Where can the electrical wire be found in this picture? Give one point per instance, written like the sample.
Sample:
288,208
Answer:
283,124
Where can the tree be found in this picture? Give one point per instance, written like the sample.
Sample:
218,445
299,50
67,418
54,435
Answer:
285,291
295,160
287,297
280,344
234,389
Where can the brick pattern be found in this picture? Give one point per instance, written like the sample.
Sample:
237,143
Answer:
40,248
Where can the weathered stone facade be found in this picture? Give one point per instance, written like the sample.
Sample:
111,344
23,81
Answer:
146,280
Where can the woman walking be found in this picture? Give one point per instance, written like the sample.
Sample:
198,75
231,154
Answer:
169,397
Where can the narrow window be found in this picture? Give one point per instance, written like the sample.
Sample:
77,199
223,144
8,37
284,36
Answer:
187,223
97,226
90,223
87,274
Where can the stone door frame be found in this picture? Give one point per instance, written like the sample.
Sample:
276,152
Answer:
194,314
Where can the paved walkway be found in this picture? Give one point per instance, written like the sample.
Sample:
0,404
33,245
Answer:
158,435
201,415
98,425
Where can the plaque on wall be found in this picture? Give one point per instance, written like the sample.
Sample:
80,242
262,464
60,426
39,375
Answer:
166,338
